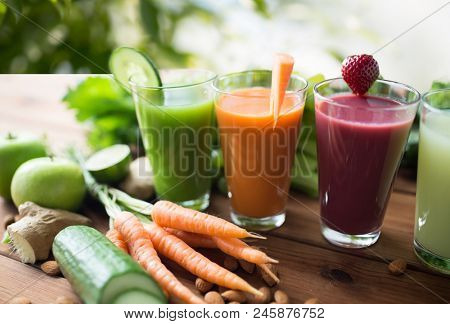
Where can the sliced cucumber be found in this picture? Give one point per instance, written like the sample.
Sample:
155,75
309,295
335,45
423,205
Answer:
101,273
111,164
126,62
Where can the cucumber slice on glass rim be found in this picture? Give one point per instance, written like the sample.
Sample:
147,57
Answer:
126,62
110,165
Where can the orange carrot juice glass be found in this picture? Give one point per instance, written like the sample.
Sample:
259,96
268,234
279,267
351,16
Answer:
258,153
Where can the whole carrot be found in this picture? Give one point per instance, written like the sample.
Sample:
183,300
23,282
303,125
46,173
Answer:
141,249
193,239
231,246
115,237
168,214
241,250
177,250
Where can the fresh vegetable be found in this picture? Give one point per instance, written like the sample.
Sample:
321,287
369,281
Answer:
141,249
126,62
110,165
193,239
281,74
99,272
107,109
117,239
32,236
15,150
168,214
139,181
49,182
177,250
360,72
242,250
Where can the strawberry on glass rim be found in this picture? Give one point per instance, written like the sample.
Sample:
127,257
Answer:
360,72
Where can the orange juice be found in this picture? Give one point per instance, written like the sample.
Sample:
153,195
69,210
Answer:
258,155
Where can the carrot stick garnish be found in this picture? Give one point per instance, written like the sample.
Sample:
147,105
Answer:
281,74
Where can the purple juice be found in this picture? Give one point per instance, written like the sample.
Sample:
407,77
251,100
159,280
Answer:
360,142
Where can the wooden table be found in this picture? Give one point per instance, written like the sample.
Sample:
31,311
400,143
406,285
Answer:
309,266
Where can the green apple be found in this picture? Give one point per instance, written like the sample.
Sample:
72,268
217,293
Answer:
49,182
15,150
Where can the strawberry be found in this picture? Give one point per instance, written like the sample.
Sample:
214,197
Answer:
360,71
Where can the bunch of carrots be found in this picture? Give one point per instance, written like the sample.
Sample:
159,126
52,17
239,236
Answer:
174,232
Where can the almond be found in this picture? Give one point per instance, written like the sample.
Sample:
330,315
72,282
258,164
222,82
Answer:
213,297
265,298
397,267
65,300
247,266
312,300
269,273
234,295
20,300
51,268
281,297
230,263
203,286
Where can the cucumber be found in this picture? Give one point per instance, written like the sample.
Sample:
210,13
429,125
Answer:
101,273
126,62
110,165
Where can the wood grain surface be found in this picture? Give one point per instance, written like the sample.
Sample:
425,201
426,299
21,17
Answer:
309,266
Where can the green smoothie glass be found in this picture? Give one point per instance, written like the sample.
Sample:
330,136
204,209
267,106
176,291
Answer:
176,125
432,230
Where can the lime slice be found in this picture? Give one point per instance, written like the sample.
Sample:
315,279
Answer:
126,62
110,165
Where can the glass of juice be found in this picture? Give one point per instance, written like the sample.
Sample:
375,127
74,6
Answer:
360,142
258,152
432,230
175,122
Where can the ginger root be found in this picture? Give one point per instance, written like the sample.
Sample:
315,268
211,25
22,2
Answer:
32,236
139,182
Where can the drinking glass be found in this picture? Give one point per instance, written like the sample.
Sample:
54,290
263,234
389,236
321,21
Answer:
432,230
360,142
258,151
175,122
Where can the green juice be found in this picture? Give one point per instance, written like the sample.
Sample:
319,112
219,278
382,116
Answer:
178,139
432,231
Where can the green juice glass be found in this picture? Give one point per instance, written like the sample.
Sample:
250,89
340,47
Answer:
176,124
432,230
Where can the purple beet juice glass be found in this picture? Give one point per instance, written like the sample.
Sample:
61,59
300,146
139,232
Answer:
360,142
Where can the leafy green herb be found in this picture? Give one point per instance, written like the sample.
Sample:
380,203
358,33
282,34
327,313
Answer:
107,109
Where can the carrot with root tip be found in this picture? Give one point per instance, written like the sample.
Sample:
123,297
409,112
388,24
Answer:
194,240
116,238
167,214
281,74
141,249
204,241
241,250
231,246
175,249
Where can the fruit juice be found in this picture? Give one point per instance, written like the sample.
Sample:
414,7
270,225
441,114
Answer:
177,140
360,144
258,156
432,230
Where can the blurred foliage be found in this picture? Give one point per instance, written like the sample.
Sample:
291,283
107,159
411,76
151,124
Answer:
32,32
